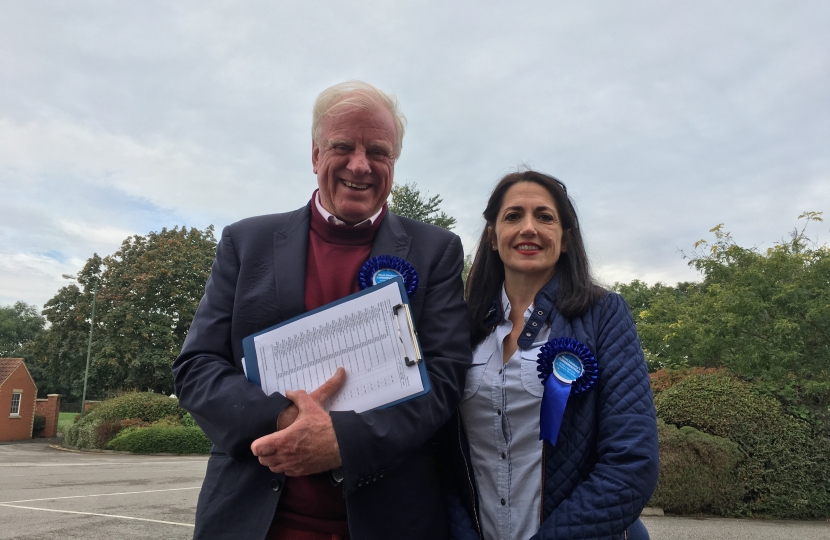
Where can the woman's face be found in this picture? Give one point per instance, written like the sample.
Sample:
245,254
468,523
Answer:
528,233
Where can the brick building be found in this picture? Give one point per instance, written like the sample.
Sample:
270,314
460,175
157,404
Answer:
49,408
17,400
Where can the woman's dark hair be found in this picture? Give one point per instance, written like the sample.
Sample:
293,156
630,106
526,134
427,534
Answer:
577,290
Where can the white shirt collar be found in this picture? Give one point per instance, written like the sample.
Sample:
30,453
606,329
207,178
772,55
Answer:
334,220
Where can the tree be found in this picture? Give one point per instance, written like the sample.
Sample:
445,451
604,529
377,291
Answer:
19,324
408,201
763,314
148,292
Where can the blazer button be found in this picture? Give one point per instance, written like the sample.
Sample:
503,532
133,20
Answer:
276,485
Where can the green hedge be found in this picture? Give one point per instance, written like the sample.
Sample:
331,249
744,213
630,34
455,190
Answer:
697,472
168,439
785,469
102,423
38,424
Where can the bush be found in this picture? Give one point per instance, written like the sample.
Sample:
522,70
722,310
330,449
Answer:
663,379
146,406
697,472
38,424
785,470
106,430
138,407
155,439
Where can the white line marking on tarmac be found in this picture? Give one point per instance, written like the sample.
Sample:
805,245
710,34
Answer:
99,515
99,495
100,463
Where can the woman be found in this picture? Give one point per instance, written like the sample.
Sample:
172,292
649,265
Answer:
596,470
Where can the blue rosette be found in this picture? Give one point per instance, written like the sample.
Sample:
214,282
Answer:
384,267
566,366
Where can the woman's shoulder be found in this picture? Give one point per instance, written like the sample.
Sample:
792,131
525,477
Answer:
608,315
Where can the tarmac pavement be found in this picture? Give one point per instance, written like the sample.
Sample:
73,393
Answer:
683,528
47,493
53,494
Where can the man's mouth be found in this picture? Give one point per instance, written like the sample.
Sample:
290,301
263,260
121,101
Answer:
352,185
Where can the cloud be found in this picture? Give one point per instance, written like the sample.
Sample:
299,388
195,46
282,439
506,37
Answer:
663,119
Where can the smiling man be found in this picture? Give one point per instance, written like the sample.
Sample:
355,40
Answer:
281,467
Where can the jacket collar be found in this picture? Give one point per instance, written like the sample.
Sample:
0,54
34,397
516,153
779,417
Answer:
291,253
542,309
543,305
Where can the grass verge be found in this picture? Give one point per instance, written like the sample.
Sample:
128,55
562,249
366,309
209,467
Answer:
65,419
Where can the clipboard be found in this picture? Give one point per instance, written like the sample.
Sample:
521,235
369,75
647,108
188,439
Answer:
305,352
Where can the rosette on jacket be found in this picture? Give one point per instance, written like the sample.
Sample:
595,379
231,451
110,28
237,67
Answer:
385,267
574,369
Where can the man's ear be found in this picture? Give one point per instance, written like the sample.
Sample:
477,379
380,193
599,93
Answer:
315,155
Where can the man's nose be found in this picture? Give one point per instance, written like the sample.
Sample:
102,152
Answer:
358,162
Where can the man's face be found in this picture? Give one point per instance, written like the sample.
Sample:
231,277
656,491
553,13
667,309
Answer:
355,164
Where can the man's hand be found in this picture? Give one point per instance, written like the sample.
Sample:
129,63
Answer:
308,444
320,395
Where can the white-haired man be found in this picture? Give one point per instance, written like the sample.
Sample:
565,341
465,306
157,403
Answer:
281,466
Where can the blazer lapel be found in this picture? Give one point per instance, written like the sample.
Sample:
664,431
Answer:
391,238
290,255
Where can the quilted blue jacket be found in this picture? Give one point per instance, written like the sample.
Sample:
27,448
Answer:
604,467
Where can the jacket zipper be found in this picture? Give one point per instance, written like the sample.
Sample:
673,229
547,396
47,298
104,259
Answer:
469,480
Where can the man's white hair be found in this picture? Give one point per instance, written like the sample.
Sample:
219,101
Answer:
341,97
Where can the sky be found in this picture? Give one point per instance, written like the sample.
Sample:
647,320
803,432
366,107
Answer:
664,119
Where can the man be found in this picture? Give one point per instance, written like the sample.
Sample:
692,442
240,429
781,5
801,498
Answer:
281,467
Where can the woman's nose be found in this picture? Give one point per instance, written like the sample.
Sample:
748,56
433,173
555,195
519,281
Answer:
528,227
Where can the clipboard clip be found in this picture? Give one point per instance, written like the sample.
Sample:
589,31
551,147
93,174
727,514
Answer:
412,334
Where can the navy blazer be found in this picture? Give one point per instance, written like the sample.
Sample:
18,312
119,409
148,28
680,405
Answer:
257,280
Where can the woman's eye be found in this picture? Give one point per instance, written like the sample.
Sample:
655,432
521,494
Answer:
547,218
512,216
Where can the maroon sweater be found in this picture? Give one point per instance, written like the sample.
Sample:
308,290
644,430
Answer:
335,255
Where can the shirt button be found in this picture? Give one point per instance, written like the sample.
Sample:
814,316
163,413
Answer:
498,412
503,455
527,334
501,371
540,312
275,485
533,324
503,502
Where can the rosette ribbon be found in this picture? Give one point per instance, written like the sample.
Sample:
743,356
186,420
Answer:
384,267
566,367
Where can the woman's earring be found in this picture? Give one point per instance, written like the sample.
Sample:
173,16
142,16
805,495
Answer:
494,247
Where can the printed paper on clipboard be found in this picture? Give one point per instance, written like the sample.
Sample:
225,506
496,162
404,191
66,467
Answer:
369,333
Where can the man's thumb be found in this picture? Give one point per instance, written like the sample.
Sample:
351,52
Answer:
330,387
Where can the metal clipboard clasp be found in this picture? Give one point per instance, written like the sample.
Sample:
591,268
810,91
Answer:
412,334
